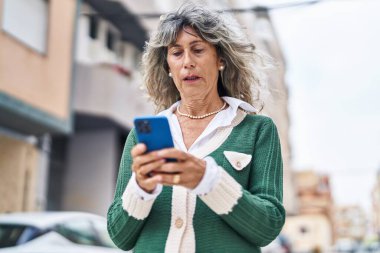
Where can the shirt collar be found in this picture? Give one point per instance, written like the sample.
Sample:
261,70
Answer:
236,103
170,110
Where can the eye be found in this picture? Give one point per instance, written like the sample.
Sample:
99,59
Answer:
176,52
198,50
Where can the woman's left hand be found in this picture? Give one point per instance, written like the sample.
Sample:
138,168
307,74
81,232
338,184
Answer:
186,171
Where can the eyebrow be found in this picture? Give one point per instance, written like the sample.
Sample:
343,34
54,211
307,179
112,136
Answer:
191,43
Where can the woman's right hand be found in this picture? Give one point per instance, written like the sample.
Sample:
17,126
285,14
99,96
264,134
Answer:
145,163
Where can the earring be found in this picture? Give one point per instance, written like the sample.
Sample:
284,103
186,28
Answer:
221,68
170,74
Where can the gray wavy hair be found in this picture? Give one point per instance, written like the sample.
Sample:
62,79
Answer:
242,74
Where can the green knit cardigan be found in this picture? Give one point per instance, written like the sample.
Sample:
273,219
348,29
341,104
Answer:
254,221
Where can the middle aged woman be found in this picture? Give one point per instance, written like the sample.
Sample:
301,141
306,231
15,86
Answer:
224,193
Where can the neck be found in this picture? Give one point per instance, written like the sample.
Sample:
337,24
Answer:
203,106
203,116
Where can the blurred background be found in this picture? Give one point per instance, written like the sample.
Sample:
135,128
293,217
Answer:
70,87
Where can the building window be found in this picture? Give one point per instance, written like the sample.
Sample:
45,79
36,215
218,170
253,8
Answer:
110,40
94,26
27,21
120,50
304,230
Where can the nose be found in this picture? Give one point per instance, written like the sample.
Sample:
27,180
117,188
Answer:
188,61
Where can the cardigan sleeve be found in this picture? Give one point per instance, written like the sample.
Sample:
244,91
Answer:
128,211
257,213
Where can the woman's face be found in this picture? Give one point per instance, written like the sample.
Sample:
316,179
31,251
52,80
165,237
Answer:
194,65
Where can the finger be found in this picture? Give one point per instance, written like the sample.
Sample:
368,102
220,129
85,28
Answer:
141,160
138,149
172,179
145,169
139,176
173,153
150,183
173,167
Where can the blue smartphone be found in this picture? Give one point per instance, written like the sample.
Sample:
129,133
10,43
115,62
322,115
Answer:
154,132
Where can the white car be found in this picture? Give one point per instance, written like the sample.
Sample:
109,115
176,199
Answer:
54,232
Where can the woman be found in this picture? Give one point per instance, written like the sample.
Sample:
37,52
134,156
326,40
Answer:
224,193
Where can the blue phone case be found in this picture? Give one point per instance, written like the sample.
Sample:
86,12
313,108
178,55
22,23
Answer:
154,132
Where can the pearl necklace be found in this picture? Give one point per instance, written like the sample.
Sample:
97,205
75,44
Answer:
201,116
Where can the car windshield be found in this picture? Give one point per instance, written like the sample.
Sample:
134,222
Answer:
11,235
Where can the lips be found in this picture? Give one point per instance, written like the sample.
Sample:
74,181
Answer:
191,78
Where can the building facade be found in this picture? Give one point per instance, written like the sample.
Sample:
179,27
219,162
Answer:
107,96
350,223
36,57
313,227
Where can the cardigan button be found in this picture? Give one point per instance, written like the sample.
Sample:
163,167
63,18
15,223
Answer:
238,164
178,223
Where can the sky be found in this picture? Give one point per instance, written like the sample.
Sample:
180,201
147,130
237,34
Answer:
332,51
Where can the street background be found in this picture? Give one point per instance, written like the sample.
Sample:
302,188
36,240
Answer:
70,86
